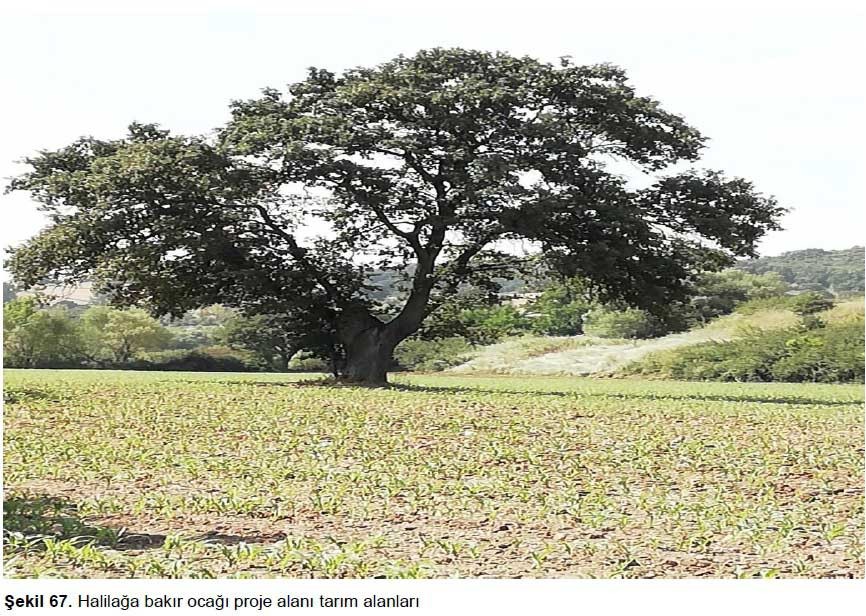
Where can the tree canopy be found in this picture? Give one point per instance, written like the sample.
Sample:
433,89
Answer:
435,160
118,335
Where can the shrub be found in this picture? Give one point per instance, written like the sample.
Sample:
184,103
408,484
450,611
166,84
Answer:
37,338
208,359
628,323
718,293
830,354
490,324
559,311
115,336
810,303
307,362
779,302
432,355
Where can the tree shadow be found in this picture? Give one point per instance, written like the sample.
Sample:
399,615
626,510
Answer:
626,396
324,382
329,383
232,539
251,383
49,517
14,395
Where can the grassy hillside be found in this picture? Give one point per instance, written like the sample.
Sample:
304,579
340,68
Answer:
828,351
585,355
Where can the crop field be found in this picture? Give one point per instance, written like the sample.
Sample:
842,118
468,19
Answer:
124,474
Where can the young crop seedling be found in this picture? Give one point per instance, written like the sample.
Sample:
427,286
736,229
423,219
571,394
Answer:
564,477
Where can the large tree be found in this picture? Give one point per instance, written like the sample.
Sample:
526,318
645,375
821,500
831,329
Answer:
434,161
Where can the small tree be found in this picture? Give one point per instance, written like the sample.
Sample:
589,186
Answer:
808,305
560,309
38,338
119,335
429,161
489,324
629,323
718,293
273,341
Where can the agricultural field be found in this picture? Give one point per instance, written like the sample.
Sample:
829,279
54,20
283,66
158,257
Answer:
124,474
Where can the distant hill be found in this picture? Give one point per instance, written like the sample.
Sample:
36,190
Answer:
840,272
391,284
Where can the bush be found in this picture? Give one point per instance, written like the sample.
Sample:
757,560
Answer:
117,337
432,355
559,311
831,354
807,304
780,302
307,362
718,293
489,324
39,338
192,337
208,359
628,323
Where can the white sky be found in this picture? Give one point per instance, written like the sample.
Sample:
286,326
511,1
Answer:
775,85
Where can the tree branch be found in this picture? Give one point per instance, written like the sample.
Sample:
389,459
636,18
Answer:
299,253
410,236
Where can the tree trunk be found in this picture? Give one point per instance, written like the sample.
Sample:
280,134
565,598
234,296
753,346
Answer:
369,343
369,356
368,346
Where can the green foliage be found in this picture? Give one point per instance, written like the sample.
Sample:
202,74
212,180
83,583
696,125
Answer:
54,337
35,338
628,323
117,336
199,328
829,354
740,286
205,359
208,316
194,337
560,309
17,312
475,318
432,355
420,161
718,293
810,303
489,324
308,362
780,302
840,272
267,339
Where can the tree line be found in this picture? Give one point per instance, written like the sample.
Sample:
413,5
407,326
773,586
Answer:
37,335
840,272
